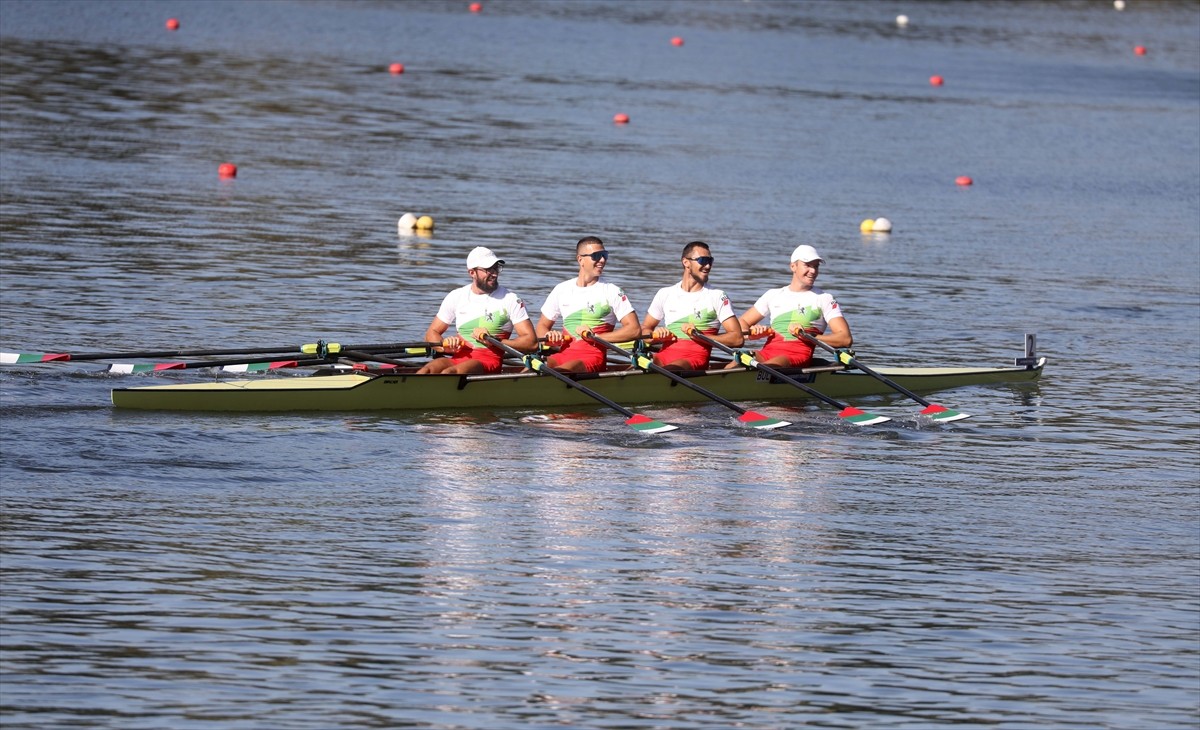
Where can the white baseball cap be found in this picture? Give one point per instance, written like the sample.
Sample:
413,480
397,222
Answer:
807,254
482,258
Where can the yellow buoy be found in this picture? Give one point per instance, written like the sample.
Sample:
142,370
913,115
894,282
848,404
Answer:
866,225
424,223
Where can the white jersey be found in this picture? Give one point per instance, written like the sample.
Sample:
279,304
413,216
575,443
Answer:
706,309
784,308
598,307
497,312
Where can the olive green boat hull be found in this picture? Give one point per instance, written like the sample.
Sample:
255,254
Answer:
362,392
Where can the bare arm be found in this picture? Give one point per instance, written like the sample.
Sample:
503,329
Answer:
748,321
523,338
732,336
437,328
838,334
627,330
650,328
544,326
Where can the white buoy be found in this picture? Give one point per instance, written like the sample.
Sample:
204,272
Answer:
1119,4
407,222
882,225
902,20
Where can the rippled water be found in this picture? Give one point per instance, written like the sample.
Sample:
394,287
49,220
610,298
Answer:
1036,566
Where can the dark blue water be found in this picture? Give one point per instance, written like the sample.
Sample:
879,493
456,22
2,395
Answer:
1036,566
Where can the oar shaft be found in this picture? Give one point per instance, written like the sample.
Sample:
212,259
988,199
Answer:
649,364
547,370
848,359
180,353
775,373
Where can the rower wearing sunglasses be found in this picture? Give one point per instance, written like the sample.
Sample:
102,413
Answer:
587,306
480,308
691,306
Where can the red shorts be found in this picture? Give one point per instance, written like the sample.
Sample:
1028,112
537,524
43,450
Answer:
696,354
594,357
490,359
798,352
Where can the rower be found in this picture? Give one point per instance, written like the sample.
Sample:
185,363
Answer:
691,306
799,306
587,306
486,308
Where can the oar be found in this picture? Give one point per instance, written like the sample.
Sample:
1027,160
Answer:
848,412
332,348
316,348
126,368
933,410
23,357
750,418
637,421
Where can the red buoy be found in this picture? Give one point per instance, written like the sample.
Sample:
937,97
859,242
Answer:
396,69
1139,50
621,118
964,180
677,41
936,80
475,7
227,169
172,24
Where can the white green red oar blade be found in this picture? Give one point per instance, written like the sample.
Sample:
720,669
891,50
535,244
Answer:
758,420
646,424
14,358
127,368
860,417
942,414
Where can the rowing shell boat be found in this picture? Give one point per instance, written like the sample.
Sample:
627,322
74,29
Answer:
408,391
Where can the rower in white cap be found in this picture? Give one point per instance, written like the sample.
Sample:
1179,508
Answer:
480,308
795,307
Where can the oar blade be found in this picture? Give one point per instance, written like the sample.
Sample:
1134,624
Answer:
758,420
259,367
942,414
128,368
646,424
859,417
14,358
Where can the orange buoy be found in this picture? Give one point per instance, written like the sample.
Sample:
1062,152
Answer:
963,180
227,169
936,80
1139,50
172,24
677,41
396,69
621,119
475,7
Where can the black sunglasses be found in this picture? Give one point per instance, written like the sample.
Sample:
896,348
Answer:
702,260
597,256
495,268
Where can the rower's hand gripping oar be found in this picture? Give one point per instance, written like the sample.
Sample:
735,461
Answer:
637,421
934,411
848,412
643,362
